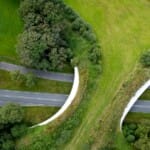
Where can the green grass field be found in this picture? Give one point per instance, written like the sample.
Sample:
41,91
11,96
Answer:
10,27
123,33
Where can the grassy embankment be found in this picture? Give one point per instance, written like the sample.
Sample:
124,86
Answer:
123,33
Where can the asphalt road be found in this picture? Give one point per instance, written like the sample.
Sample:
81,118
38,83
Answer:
141,106
32,98
64,77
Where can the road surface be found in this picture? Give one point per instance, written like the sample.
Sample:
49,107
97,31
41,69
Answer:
64,77
32,98
141,106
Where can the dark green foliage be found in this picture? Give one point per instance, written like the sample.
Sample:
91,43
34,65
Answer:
11,116
17,77
133,126
8,145
89,36
94,54
145,58
138,134
18,130
30,80
70,14
77,24
130,138
43,45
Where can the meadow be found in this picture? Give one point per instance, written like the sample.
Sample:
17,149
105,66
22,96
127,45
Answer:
10,26
123,33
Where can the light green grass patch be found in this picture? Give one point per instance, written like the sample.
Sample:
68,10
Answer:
10,27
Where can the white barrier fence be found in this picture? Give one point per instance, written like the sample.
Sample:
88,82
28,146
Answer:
68,102
133,100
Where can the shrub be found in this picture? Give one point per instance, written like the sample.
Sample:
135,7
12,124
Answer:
17,77
18,130
8,145
94,54
30,80
89,36
132,126
43,45
10,114
130,138
145,59
77,24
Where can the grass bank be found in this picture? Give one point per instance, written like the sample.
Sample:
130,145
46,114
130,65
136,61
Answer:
34,115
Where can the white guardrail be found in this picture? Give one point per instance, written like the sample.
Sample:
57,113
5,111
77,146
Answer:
133,100
68,102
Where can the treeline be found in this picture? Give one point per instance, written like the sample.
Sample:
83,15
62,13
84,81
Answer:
11,125
43,43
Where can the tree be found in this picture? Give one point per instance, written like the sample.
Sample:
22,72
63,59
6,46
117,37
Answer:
130,138
43,44
18,130
10,114
17,77
30,80
8,145
94,54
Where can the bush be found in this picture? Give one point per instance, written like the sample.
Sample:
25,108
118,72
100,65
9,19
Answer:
94,54
18,130
145,59
77,24
130,138
30,80
89,36
8,145
11,114
132,126
17,77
